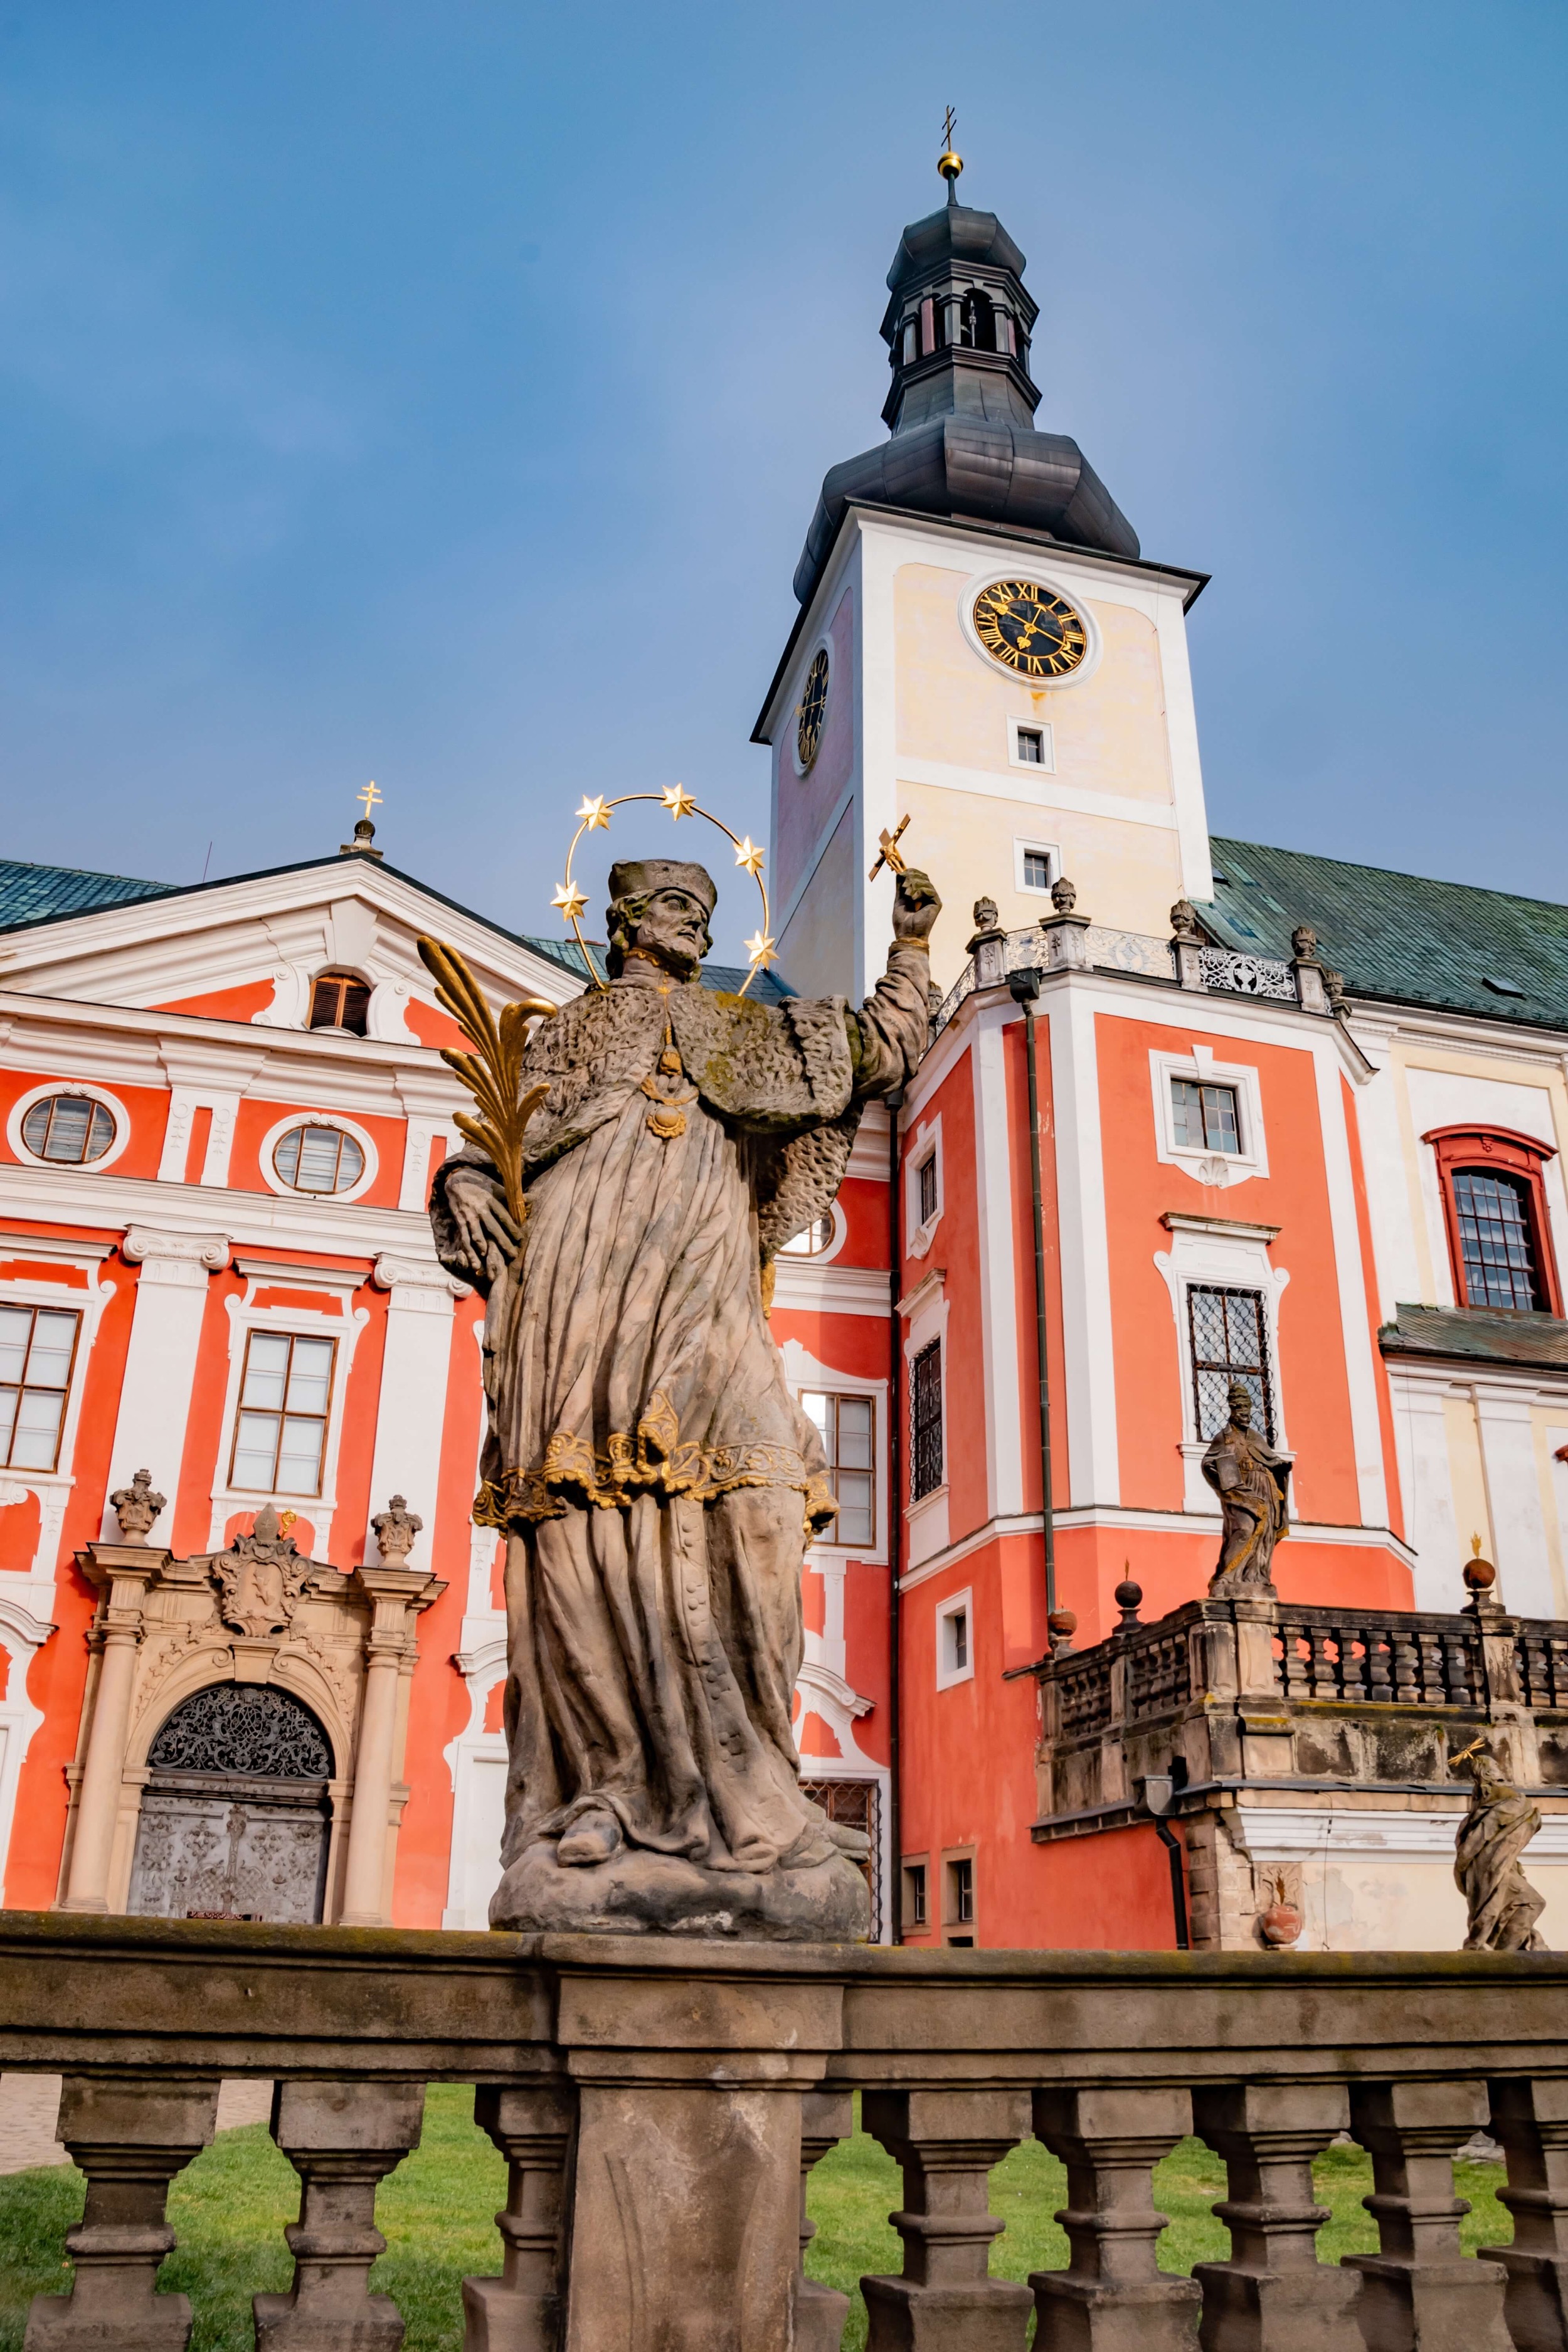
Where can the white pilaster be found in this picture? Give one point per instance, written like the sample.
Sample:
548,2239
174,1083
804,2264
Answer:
1432,1526
161,1362
1094,1467
1506,1423
412,1407
998,1272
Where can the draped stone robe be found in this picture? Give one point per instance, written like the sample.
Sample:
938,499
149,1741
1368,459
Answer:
656,1482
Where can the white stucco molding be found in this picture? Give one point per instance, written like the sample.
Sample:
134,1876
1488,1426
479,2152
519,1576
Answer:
414,1273
182,1260
63,1168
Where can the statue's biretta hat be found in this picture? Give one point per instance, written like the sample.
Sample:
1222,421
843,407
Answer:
634,877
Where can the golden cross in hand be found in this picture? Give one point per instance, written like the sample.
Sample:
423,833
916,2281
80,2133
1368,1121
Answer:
890,854
370,796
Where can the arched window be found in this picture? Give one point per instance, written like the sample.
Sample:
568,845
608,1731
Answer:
339,999
1494,1204
977,329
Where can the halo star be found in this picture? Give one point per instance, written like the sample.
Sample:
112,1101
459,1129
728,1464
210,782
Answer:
677,801
594,814
748,855
570,900
761,951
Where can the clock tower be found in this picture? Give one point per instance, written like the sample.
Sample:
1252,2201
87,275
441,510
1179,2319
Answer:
980,646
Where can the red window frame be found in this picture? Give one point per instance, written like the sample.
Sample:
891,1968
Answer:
1498,1151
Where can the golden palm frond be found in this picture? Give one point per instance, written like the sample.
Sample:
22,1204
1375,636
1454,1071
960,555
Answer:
493,1072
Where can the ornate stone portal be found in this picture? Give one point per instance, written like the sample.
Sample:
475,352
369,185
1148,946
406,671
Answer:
242,1732
657,1483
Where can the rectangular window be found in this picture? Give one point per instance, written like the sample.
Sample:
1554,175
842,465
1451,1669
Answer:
847,1427
925,1418
1497,1245
1031,747
925,1180
960,1891
1206,1117
1226,1332
280,1432
38,1349
914,1894
957,1625
1037,870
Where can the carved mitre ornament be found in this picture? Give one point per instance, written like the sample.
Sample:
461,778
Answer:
260,1579
136,1507
395,1528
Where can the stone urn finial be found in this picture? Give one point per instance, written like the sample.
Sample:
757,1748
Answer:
985,914
136,1507
395,1528
1304,943
1184,921
1064,895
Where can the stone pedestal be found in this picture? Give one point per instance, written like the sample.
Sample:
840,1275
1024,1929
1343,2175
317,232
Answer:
1531,2120
130,2142
1418,2294
342,2139
946,2143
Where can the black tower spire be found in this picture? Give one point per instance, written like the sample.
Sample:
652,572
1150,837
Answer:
961,404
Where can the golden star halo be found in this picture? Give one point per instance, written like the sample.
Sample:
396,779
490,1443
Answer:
593,816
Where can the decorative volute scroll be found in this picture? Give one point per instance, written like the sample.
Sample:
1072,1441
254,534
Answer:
260,1579
136,1507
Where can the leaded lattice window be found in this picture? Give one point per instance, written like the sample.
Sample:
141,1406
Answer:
925,1420
246,1731
1497,1243
1228,1337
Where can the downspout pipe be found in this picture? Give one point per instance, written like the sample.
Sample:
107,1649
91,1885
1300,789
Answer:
1024,986
1157,1789
895,1896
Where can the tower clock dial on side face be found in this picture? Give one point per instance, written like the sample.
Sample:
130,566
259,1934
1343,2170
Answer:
1029,629
813,706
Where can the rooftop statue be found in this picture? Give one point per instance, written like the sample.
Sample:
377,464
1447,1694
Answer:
1499,1825
654,1478
1253,1483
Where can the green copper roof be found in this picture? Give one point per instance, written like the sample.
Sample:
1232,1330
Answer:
1397,936
35,894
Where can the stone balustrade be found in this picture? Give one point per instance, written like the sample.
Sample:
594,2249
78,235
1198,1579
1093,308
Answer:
660,2104
1082,946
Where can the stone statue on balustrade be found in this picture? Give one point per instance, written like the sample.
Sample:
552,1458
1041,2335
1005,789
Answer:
1253,1483
1497,1825
655,1481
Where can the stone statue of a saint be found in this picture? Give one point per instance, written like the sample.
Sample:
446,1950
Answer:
1253,1483
654,1479
1498,1826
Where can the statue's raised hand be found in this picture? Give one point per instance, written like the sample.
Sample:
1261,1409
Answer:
915,904
481,1222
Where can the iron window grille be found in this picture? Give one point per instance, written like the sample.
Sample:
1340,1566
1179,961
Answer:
925,1181
1205,1116
71,1129
340,1001
243,1730
38,1351
318,1160
1497,1239
847,1428
856,1805
925,1422
1226,1332
281,1428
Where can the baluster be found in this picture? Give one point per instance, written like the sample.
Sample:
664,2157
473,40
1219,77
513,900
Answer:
1295,1670
1457,1679
130,2142
1418,2293
820,2312
1531,2120
1355,1657
1378,1649
1112,2295
343,2140
1434,1682
522,2311
1327,1666
946,2143
1273,2294
1406,1667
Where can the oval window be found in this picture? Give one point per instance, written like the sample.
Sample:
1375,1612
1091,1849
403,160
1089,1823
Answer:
818,1236
71,1128
318,1160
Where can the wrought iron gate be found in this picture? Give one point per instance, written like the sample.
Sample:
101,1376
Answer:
233,1820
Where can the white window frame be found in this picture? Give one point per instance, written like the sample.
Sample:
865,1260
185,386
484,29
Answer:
344,1325
957,1604
804,1370
1209,1169
350,1126
1045,765
925,1315
112,1104
1205,1251
825,1255
925,1145
53,1487
1047,849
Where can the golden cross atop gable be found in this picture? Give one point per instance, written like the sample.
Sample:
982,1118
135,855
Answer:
370,796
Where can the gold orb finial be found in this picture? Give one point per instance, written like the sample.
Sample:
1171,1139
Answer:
950,163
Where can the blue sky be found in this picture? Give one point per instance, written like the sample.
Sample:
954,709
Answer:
441,394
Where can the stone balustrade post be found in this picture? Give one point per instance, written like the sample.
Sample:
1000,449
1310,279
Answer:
122,1573
820,2312
1112,2296
343,2140
1273,2294
1531,2120
946,2143
130,2142
1418,2293
524,2309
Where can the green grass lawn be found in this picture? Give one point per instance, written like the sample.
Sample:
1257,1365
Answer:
228,2209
